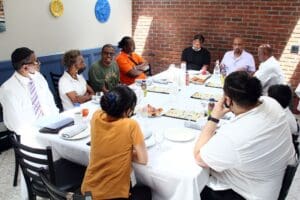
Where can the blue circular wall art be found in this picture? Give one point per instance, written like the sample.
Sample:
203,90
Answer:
102,10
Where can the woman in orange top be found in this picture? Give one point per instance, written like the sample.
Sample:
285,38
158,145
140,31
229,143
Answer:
116,142
131,65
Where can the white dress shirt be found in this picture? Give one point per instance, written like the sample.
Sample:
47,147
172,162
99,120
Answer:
244,61
68,84
297,91
269,73
18,113
250,154
292,121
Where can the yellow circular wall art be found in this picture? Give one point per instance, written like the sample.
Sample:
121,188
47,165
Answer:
56,8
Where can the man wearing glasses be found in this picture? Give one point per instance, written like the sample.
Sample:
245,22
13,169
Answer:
104,74
25,96
238,59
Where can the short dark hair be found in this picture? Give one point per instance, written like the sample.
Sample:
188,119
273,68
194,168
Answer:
199,37
118,100
19,56
107,46
281,93
124,42
69,58
242,88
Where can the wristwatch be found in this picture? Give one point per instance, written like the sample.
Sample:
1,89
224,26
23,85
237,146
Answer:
210,118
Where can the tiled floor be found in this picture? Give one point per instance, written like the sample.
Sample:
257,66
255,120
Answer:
8,192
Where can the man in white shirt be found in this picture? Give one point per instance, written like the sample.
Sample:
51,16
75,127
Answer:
25,96
248,155
283,95
297,91
269,71
238,59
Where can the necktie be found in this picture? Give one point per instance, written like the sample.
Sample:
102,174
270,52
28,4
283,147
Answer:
35,100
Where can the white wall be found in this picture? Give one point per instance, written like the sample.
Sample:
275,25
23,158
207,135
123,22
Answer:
30,23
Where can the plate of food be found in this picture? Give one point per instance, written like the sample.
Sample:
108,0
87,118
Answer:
152,111
183,114
199,79
206,96
158,89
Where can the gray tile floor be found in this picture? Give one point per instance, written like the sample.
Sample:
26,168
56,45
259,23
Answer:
8,192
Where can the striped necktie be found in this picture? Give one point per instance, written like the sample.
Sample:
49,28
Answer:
35,99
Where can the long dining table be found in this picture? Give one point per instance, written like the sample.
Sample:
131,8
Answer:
171,171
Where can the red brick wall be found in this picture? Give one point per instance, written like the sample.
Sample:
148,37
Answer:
175,22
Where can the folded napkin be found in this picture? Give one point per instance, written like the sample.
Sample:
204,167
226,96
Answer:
56,126
72,131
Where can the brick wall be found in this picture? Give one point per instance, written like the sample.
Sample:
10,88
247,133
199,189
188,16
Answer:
165,27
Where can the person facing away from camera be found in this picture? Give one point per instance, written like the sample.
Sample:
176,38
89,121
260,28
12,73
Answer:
248,155
116,142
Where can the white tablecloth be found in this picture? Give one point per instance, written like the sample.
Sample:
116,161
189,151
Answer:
171,171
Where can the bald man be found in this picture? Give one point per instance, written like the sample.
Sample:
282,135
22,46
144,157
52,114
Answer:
238,59
269,71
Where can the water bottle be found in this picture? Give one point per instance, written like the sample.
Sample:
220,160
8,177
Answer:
210,106
144,87
217,68
187,78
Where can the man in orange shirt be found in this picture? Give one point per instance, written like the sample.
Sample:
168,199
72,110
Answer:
131,65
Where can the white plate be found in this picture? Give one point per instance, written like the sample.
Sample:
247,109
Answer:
147,134
80,135
150,142
179,134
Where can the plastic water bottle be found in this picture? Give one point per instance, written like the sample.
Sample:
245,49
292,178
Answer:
187,78
217,68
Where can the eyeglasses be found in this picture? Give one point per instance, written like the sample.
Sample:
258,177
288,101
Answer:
108,53
37,62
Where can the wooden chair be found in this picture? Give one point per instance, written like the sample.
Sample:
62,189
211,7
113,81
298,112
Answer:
287,180
64,174
56,194
55,78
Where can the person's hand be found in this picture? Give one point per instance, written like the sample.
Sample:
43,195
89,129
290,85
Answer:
143,67
219,109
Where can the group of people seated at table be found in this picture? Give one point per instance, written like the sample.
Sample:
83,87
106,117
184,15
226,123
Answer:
247,156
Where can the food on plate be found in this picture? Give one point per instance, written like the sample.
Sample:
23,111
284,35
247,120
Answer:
206,96
199,79
182,114
152,111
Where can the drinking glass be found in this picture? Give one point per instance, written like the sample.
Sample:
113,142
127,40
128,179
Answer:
98,96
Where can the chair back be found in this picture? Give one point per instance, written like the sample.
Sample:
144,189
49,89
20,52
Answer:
287,180
56,194
31,160
55,79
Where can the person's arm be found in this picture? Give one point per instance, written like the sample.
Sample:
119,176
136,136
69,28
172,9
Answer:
209,130
90,90
78,99
140,153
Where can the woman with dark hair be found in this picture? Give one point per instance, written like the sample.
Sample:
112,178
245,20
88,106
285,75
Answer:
116,142
131,65
72,85
252,150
